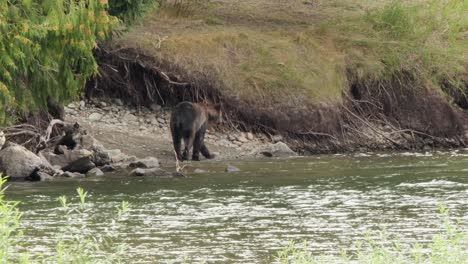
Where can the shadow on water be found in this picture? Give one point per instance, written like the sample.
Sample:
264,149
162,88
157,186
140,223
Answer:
331,201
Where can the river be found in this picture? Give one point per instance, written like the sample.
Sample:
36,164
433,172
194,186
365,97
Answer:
331,201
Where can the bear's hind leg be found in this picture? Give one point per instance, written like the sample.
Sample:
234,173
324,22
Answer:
188,142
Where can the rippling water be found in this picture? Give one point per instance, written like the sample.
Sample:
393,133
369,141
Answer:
330,201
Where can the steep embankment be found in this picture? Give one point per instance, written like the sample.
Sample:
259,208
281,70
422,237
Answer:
327,75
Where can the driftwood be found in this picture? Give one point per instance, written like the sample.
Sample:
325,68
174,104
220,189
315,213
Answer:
35,139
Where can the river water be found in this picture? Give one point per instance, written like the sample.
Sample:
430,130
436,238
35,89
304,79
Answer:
331,201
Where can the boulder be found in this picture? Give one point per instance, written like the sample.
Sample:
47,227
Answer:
96,172
231,168
68,157
154,172
147,163
18,163
82,165
279,149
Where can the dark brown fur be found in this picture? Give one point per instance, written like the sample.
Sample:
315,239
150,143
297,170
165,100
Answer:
189,122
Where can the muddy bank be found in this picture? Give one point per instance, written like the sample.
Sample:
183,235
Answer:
398,113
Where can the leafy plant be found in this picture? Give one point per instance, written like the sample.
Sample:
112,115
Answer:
46,50
75,242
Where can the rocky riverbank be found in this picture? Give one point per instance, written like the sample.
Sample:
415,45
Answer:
145,132
100,137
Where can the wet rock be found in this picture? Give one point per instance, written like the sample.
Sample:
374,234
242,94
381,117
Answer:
101,157
74,175
94,117
82,165
155,172
279,149
18,163
147,163
96,172
43,176
108,168
231,168
178,174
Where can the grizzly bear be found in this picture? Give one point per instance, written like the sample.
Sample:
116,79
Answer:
189,122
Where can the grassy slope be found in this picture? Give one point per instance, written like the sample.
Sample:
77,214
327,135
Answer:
277,50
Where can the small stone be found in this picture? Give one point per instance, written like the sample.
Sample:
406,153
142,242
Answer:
231,168
143,128
70,111
199,171
276,138
102,104
71,105
250,136
242,138
154,122
94,117
155,107
96,172
82,104
161,120
130,117
232,138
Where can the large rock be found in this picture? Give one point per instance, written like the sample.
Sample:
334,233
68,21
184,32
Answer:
68,157
18,163
82,165
147,163
279,149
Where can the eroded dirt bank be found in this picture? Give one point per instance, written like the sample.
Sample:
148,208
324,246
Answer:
395,114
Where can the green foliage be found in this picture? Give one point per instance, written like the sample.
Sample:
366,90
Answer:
75,242
130,11
46,50
447,247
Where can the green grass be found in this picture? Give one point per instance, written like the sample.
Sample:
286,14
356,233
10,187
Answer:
275,51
